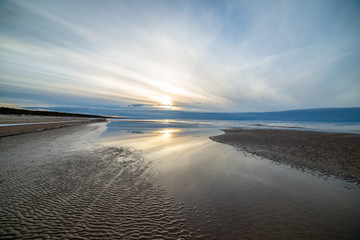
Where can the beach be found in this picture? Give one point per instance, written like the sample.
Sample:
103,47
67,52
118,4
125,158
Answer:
60,184
328,153
13,124
112,116
139,180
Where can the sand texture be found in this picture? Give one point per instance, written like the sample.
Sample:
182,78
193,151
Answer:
36,126
56,184
335,154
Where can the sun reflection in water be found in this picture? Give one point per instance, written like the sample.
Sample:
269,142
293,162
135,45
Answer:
166,133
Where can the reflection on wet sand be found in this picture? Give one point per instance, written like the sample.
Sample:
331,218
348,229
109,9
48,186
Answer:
229,194
167,132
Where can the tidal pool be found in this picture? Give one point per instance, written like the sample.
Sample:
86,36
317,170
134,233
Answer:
230,194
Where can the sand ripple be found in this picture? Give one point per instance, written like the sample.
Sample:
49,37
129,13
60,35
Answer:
52,190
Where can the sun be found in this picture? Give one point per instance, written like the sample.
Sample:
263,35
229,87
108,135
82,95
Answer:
166,101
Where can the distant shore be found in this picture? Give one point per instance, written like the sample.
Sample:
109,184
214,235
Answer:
11,125
15,121
19,111
336,154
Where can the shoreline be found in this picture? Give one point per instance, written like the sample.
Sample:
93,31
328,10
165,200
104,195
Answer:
29,124
329,153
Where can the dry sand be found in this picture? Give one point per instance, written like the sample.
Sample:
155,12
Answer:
335,154
36,126
59,184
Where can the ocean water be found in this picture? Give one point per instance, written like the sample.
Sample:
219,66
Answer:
136,124
229,194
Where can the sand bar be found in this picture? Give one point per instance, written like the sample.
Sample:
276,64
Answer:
335,154
26,124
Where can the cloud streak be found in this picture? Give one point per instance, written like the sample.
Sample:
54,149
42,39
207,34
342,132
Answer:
232,56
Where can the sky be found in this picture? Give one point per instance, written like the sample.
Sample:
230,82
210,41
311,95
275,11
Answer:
191,55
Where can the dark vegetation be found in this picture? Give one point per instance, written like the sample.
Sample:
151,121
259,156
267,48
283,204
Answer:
16,111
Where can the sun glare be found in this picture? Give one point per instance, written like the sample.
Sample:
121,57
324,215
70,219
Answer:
166,133
166,101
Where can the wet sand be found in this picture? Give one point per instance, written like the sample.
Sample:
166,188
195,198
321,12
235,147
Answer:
66,183
34,123
336,154
59,184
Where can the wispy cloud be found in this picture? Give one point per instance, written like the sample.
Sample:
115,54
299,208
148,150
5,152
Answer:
228,56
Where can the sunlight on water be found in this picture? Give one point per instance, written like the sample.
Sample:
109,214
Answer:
167,132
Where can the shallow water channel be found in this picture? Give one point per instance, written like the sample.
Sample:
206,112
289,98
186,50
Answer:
229,194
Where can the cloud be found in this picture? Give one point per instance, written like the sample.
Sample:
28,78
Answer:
230,56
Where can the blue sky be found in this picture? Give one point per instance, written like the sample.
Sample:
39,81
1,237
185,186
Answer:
188,55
